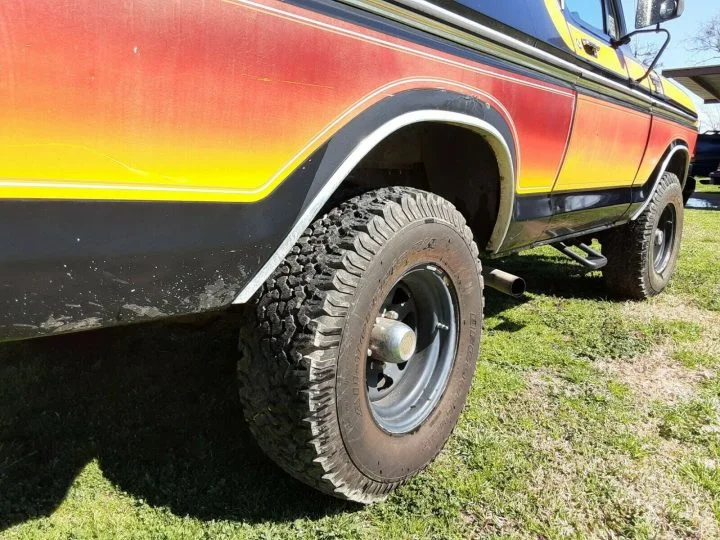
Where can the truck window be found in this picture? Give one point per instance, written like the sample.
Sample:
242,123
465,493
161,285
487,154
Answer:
504,11
613,20
588,11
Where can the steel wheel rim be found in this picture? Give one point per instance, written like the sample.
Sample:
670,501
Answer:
401,396
663,239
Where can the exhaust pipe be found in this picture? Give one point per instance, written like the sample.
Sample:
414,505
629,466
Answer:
504,281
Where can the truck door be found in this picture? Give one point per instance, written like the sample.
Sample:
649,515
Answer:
609,133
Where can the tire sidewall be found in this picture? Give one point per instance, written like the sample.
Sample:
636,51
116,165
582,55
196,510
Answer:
377,454
671,195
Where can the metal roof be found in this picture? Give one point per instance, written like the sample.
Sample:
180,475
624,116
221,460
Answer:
703,81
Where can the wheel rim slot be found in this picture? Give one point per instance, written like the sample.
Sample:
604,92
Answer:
401,396
663,238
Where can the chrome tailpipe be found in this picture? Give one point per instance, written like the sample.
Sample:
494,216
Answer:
504,282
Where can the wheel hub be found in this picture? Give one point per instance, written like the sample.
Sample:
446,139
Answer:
411,349
659,237
663,239
392,341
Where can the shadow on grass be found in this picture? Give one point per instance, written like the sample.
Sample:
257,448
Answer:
157,406
548,275
704,201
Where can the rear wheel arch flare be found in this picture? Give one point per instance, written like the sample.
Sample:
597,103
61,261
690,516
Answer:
355,141
460,162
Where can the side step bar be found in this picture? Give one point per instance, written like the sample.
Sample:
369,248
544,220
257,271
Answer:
592,259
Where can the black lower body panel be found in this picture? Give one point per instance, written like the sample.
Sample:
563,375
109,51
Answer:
69,265
74,265
544,219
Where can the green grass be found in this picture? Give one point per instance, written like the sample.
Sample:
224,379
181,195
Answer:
707,188
698,275
587,418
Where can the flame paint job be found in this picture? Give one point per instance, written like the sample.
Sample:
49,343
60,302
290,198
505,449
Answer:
662,135
147,100
602,129
171,100
120,120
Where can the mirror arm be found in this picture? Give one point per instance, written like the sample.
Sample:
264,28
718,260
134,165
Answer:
625,40
659,54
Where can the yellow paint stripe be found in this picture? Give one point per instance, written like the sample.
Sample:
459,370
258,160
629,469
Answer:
558,19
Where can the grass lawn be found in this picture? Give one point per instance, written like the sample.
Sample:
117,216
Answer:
707,188
587,418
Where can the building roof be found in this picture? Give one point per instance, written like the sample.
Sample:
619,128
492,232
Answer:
703,81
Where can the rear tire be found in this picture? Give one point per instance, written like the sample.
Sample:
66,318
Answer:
642,254
306,379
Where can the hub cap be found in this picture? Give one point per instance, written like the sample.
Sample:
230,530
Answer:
663,239
412,349
391,340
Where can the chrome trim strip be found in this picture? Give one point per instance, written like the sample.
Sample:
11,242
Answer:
663,168
493,137
481,30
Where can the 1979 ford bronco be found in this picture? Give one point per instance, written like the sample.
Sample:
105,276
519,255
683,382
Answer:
340,166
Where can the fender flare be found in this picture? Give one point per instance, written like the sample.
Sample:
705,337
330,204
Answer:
462,112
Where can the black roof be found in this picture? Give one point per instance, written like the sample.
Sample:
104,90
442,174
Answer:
703,81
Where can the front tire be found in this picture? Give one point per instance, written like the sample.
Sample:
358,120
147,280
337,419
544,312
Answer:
689,189
318,395
643,254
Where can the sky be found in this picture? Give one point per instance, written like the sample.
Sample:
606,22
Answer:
682,29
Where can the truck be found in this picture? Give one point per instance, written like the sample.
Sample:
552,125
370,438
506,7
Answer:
707,155
339,168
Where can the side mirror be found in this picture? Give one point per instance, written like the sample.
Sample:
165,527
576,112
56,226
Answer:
653,12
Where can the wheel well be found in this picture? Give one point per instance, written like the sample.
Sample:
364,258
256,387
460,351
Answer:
678,164
451,161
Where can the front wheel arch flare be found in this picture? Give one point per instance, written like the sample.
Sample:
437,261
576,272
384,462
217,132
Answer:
675,160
